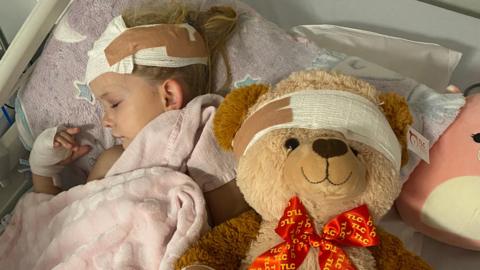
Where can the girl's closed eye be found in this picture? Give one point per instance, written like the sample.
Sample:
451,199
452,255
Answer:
115,104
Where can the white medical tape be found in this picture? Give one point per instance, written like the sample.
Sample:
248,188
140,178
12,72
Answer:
156,56
357,118
44,157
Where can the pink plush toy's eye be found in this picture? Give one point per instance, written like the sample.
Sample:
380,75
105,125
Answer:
476,137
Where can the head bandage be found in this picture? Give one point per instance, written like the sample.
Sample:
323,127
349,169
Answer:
357,118
160,45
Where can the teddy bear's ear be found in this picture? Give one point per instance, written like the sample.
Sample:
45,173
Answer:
232,112
396,110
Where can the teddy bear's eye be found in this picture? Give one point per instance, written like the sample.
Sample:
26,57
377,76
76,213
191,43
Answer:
354,151
476,137
291,144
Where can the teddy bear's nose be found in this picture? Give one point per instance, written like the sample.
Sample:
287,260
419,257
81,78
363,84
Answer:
328,148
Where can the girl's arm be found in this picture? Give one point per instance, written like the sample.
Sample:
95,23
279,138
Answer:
44,184
104,162
225,203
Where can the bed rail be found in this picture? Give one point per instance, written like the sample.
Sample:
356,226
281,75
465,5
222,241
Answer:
12,65
26,42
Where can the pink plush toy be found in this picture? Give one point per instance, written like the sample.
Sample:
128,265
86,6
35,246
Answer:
442,199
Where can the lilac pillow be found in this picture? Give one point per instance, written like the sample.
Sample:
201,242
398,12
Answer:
56,92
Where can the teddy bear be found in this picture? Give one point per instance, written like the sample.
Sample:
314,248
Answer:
319,156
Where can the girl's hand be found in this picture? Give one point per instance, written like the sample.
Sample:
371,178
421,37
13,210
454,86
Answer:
66,139
53,149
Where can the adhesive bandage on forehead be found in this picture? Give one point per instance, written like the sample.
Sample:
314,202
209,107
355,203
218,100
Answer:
357,118
160,45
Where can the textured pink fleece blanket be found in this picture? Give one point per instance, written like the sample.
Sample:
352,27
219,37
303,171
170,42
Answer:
143,215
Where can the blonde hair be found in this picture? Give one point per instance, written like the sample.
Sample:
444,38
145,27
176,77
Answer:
215,25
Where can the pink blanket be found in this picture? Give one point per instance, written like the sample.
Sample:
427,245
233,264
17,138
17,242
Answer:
143,215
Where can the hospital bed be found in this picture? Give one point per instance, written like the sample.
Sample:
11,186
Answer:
408,19
15,66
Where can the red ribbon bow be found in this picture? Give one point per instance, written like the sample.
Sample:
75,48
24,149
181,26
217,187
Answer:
353,227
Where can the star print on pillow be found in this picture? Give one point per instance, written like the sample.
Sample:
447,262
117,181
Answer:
83,92
246,81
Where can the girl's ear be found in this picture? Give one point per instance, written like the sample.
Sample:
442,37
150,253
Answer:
172,94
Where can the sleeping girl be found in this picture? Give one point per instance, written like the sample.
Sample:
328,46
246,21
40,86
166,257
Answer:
145,64
151,71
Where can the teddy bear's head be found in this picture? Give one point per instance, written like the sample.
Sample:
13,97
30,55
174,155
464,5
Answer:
332,140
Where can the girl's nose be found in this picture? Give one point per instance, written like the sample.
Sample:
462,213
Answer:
107,121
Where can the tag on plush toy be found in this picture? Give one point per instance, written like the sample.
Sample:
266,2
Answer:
418,144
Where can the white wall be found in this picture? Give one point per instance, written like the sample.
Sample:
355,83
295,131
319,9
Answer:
12,15
406,18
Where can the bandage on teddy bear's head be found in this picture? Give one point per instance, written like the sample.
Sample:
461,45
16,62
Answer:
324,137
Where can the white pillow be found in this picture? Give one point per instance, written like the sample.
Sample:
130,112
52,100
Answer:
428,63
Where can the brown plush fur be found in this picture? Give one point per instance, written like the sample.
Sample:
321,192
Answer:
391,254
269,150
228,241
262,174
232,112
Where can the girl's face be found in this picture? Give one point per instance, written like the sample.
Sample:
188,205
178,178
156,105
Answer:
130,102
